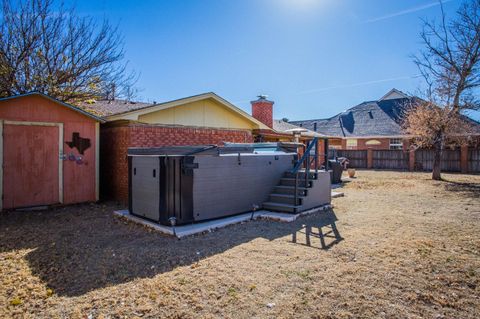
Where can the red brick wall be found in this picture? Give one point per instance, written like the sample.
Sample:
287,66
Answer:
385,144
263,111
361,144
116,140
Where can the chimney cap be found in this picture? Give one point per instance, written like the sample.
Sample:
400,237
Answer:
262,98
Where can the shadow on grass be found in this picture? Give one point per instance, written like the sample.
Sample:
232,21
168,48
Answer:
320,234
81,248
468,189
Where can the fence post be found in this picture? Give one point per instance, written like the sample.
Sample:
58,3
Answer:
411,160
464,158
369,158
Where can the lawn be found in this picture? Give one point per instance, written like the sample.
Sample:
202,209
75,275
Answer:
397,245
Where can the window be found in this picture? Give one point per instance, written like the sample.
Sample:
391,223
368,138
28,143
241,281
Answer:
351,144
396,144
373,142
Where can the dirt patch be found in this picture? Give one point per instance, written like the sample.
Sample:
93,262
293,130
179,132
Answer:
397,245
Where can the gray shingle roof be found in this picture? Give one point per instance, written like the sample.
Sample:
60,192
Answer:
373,118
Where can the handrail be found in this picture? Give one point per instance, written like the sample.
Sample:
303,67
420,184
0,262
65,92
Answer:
299,163
305,159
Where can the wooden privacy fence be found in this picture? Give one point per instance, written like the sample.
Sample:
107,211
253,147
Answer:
357,159
450,160
423,159
390,159
473,160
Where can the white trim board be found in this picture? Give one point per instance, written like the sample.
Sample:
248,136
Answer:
97,161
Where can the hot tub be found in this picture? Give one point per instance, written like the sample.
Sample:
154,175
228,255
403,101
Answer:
199,183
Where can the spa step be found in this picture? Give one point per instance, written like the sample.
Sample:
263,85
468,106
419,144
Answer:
301,175
279,207
286,199
285,181
282,189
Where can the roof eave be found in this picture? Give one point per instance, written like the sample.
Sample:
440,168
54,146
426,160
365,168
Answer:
134,114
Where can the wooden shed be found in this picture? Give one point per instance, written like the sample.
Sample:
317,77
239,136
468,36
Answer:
49,152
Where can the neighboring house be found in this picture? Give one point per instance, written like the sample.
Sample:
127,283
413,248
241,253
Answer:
49,152
197,120
373,124
376,126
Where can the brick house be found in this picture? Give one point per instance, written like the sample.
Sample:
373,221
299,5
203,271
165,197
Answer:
197,120
375,126
369,125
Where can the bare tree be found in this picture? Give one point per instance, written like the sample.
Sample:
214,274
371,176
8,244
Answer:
47,48
450,64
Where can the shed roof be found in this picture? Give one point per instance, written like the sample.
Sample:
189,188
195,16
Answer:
70,106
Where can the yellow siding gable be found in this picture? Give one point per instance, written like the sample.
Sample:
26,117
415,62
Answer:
205,113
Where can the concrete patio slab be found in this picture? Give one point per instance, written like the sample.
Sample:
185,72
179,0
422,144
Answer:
337,194
197,228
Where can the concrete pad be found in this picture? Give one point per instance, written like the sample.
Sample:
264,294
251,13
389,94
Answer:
196,228
337,194
276,216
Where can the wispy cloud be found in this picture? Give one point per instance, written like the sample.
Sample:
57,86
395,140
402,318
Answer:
407,11
359,84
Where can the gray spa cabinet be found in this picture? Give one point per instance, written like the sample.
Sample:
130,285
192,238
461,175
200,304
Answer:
202,183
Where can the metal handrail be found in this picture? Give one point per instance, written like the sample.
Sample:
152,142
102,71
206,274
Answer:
299,163
305,159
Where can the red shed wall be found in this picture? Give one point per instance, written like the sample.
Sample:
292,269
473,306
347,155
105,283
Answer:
78,180
116,141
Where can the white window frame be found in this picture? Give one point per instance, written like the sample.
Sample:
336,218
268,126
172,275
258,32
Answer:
396,144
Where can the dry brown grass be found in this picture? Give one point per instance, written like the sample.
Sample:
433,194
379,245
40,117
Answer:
405,247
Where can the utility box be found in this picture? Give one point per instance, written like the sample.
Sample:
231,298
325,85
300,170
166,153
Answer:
200,183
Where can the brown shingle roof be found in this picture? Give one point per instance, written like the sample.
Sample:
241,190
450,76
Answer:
282,127
110,107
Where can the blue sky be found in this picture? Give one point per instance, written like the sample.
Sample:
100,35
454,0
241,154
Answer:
314,58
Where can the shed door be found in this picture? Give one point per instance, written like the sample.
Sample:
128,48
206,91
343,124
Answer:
30,165
146,187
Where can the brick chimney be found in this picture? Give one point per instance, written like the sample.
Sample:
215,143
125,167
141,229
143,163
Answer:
262,110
